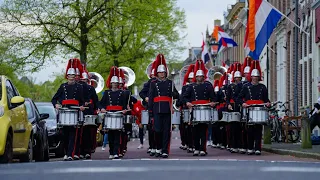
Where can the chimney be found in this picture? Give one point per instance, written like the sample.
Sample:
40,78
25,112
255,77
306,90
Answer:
217,22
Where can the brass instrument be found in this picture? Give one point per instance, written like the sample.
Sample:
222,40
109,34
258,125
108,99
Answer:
97,81
129,75
216,72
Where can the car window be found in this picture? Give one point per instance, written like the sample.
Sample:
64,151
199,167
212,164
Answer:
10,92
15,91
29,109
48,109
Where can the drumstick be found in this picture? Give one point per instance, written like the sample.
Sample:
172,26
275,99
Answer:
77,107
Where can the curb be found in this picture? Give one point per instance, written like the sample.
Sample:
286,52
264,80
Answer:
292,153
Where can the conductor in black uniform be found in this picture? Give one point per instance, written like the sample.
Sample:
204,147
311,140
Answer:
161,94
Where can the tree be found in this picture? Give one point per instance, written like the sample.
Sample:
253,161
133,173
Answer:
98,30
41,29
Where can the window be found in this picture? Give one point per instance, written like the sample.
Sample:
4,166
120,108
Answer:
310,40
29,109
310,81
10,93
49,110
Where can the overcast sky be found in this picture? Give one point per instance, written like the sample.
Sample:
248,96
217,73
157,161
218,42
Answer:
199,14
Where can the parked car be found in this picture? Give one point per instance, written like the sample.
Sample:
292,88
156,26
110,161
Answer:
54,135
16,133
40,132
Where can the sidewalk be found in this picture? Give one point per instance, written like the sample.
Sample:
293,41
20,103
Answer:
293,150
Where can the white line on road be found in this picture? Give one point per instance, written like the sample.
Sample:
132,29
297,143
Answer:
98,170
290,169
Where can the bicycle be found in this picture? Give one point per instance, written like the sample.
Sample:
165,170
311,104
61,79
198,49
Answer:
276,123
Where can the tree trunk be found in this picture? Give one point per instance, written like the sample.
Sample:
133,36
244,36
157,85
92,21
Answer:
83,41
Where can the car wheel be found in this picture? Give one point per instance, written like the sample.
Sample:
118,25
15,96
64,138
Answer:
8,151
46,149
28,156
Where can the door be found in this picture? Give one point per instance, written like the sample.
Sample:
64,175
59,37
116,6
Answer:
18,129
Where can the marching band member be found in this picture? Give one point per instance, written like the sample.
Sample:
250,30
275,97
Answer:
130,100
244,130
222,140
186,129
200,93
113,100
232,93
246,69
144,93
161,94
230,73
89,131
69,94
254,93
215,136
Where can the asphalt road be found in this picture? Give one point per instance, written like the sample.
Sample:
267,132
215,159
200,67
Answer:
138,165
162,169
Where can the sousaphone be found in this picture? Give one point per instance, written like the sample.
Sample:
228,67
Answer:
129,75
216,72
97,81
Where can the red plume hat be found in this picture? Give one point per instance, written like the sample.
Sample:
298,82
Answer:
237,68
160,60
113,72
186,76
223,79
246,64
199,65
255,70
216,86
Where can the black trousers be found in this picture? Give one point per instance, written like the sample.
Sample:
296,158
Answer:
87,141
200,136
162,127
215,133
222,133
183,133
254,137
114,141
69,140
244,136
151,134
124,137
235,133
190,136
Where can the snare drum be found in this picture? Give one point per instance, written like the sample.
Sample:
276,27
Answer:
90,120
244,115
113,121
144,117
201,114
258,115
128,119
68,117
186,115
215,116
225,116
175,118
234,117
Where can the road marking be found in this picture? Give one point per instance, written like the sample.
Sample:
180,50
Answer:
290,169
98,170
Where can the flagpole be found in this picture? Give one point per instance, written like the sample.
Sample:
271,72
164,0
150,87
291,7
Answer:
296,102
290,19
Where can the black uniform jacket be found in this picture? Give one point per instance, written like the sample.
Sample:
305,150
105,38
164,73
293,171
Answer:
160,95
129,99
145,91
113,100
253,92
69,92
197,92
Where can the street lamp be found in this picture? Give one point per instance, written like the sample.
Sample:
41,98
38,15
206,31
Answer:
214,46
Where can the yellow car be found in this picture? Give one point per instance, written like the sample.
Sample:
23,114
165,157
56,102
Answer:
15,129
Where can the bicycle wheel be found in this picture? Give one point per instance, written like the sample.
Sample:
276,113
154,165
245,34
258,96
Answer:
294,135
